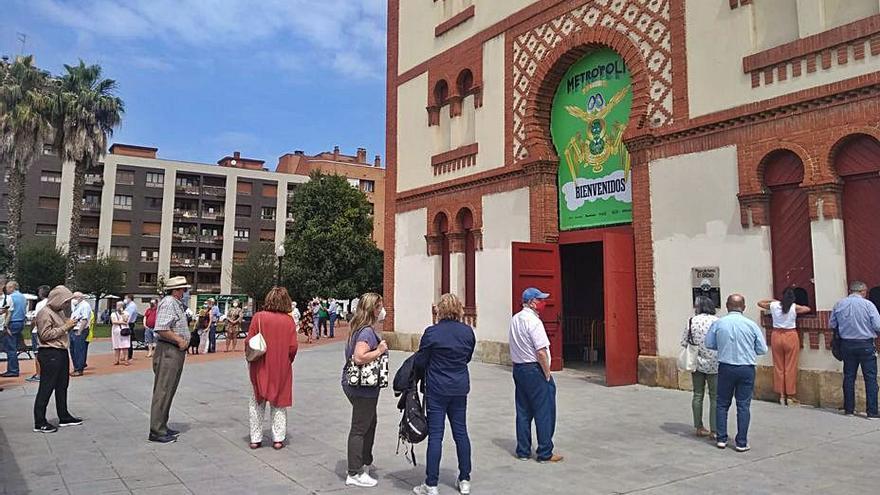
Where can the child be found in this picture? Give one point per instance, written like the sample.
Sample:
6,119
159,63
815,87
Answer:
195,335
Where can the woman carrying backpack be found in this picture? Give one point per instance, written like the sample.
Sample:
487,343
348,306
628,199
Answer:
364,346
444,352
785,344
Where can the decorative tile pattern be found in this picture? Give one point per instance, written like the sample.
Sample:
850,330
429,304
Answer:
645,22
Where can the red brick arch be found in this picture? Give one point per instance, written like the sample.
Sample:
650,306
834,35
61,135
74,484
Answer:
549,74
845,137
759,169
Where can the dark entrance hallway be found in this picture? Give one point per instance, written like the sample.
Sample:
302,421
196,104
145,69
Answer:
583,303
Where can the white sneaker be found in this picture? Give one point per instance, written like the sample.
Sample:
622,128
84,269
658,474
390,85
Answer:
464,487
367,469
362,480
424,489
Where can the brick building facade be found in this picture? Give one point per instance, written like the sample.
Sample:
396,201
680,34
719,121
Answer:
752,136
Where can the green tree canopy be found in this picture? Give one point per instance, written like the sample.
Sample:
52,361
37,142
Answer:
40,263
256,276
101,276
330,250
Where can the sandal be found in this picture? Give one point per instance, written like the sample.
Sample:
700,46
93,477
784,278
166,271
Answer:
256,445
278,445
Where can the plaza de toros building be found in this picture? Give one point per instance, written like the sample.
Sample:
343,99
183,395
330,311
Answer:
627,155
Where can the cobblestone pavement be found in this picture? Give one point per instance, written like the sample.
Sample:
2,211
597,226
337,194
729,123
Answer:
616,440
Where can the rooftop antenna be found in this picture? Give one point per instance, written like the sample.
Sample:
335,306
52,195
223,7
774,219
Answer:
22,38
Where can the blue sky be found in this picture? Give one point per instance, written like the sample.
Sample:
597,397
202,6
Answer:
203,78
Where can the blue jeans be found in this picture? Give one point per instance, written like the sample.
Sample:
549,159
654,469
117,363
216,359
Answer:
11,345
212,338
535,400
333,317
316,329
78,349
439,408
735,381
859,353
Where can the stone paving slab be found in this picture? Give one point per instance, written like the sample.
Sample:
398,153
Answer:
616,440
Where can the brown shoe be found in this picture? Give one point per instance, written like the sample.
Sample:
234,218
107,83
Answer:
553,459
702,432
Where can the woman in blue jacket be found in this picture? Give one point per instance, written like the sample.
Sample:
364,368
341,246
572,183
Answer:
445,351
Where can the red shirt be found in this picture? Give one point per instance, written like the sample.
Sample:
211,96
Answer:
150,317
272,374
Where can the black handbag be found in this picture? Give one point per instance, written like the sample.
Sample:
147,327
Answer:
125,331
835,346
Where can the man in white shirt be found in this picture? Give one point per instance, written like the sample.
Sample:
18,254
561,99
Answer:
81,313
535,388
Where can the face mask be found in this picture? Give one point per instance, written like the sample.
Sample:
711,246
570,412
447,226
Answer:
382,315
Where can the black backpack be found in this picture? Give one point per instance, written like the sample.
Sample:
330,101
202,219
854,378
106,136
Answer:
413,427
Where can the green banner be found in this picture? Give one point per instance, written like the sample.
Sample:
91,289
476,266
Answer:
588,119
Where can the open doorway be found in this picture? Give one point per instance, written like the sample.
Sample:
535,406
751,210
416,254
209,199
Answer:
583,303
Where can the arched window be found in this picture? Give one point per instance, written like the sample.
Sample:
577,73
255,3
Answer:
465,82
441,93
465,222
790,233
441,228
857,160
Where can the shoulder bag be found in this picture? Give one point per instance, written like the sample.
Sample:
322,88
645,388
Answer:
835,346
256,346
687,357
370,375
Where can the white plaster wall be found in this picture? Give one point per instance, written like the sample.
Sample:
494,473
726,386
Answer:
413,273
716,80
490,117
696,222
829,262
775,23
505,220
415,140
840,12
417,42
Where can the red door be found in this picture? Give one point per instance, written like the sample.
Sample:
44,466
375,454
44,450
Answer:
537,265
621,334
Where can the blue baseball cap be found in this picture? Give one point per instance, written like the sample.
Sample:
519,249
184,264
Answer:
533,293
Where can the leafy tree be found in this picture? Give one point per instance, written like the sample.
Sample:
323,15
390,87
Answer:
84,113
101,277
256,276
40,263
330,250
24,129
5,259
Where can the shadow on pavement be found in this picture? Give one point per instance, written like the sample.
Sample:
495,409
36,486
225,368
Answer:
10,473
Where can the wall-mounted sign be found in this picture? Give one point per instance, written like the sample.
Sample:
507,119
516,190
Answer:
588,119
706,281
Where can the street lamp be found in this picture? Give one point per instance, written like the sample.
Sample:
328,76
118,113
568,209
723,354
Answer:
279,252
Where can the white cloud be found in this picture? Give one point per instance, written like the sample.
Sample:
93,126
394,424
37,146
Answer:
346,35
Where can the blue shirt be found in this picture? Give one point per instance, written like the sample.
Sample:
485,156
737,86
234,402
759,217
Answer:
19,307
737,339
215,315
445,351
132,311
854,317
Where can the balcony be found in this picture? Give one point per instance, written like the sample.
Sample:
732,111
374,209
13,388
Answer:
211,215
89,207
185,237
189,189
185,213
94,180
83,257
183,262
149,259
157,185
219,191
89,232
210,263
211,239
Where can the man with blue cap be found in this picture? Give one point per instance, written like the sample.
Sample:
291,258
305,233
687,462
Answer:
535,388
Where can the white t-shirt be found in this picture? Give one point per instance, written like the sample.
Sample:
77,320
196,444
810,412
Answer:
783,320
527,337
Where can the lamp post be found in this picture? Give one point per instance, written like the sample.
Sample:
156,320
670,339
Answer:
279,252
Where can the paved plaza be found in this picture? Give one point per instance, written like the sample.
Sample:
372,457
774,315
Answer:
616,440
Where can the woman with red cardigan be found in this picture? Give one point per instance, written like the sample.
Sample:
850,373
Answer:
272,374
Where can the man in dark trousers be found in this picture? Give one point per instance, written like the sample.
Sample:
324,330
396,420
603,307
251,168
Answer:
172,340
858,323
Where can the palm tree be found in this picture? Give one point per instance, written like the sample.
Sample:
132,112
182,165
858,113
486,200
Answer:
85,110
24,130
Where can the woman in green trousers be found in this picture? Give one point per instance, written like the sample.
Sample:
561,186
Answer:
706,374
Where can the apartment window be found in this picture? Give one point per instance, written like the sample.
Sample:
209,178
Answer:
50,177
243,211
125,177
155,179
267,235
94,179
48,149
147,279
121,227
47,202
4,228
242,234
209,232
368,186
149,255
152,203
45,229
267,213
119,252
122,202
186,181
245,188
151,228
88,251
92,200
270,190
